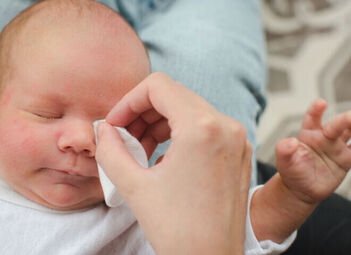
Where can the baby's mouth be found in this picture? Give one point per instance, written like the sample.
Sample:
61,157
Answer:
66,172
65,176
78,172
70,172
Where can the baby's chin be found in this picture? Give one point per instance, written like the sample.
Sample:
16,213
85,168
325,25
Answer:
65,197
58,205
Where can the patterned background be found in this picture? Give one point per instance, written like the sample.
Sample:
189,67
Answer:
309,55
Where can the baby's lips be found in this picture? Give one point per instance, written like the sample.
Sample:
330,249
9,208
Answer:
83,171
71,172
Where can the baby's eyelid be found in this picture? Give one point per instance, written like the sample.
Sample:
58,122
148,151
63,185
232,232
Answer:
49,117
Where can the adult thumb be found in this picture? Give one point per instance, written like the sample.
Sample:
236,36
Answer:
118,164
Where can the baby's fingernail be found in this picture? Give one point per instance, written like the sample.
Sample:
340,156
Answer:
292,143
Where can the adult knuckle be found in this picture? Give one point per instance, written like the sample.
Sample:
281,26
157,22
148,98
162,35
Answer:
159,76
208,126
158,80
238,130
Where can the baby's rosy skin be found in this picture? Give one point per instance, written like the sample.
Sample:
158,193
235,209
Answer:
310,169
315,164
65,76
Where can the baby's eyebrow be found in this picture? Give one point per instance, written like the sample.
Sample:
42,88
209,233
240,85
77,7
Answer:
51,99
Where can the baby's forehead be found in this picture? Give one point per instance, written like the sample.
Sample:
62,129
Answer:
88,26
56,16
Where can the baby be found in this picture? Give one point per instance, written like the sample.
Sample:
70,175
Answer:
64,64
59,73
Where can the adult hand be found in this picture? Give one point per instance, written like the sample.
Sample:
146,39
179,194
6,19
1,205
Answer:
194,201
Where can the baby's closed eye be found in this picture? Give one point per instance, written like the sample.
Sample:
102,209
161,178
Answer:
49,116
43,114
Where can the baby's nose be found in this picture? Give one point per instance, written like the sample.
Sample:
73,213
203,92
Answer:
79,138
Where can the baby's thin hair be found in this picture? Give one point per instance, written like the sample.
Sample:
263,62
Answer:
52,10
13,29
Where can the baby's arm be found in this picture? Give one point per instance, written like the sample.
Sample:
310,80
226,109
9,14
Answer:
310,169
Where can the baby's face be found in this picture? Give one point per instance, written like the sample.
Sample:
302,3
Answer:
60,85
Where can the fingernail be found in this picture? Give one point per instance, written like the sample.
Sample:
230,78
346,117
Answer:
100,130
292,143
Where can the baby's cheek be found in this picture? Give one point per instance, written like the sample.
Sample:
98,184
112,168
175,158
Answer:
21,141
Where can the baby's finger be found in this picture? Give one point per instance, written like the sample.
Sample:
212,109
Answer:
343,159
314,114
285,150
337,151
336,127
346,135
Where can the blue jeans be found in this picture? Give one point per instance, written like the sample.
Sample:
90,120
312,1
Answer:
215,48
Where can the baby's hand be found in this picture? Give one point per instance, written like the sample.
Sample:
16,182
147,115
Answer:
314,165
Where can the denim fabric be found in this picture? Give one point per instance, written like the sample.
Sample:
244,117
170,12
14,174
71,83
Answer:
215,48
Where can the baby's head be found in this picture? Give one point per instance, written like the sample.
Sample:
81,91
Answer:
63,65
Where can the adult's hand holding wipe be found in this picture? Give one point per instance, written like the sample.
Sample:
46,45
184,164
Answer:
194,200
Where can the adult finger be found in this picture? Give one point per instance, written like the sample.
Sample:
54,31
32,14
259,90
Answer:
140,124
151,116
241,201
155,134
117,162
150,135
137,128
246,174
170,99
236,136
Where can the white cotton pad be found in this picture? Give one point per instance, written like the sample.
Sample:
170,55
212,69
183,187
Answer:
111,194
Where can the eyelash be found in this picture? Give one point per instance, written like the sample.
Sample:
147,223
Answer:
48,117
